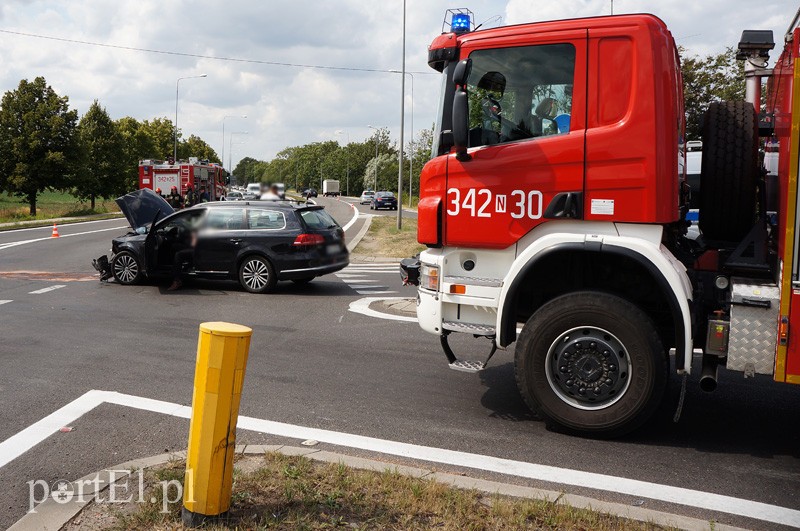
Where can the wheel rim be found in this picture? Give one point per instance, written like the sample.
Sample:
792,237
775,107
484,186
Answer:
255,274
588,368
125,268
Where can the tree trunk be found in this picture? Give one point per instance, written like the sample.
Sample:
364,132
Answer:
92,202
32,203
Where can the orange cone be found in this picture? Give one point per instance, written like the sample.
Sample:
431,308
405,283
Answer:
55,231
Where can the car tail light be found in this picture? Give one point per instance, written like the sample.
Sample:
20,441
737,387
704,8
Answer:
308,240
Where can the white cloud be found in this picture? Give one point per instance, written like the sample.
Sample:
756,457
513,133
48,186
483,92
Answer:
285,105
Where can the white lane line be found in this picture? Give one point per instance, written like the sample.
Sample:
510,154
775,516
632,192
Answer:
373,292
357,281
362,306
48,288
50,227
5,302
345,275
352,220
18,444
24,242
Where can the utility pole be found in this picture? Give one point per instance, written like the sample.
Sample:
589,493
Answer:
402,125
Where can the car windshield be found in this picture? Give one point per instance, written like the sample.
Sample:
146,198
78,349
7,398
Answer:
318,219
368,193
384,194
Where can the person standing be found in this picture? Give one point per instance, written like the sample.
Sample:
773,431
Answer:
204,197
175,200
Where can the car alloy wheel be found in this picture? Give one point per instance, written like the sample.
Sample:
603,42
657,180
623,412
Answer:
256,275
126,268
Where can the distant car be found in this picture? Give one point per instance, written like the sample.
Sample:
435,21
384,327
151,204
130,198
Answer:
256,243
383,200
310,192
366,197
249,196
234,196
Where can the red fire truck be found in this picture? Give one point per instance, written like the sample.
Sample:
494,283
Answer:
554,215
194,173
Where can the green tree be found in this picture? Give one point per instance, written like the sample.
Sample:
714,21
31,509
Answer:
243,172
101,168
162,133
137,145
37,140
707,79
194,146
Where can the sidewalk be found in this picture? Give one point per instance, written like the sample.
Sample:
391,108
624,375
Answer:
76,513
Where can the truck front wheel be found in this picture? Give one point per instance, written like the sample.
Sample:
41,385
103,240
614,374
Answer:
591,363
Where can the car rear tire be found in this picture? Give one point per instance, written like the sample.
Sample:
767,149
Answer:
591,363
302,281
126,268
729,171
257,275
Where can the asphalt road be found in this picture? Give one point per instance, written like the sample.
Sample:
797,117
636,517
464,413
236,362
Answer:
315,364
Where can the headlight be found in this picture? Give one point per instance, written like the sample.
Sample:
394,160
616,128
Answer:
429,277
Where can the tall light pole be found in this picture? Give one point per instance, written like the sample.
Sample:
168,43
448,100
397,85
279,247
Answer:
411,156
230,144
402,126
223,134
347,159
376,155
177,85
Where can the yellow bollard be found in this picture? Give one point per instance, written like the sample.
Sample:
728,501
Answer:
219,374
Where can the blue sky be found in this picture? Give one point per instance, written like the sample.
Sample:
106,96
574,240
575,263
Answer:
287,105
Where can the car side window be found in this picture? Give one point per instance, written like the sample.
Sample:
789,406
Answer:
187,220
225,219
520,92
265,219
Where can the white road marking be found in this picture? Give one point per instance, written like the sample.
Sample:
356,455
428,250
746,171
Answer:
5,302
24,242
357,281
362,306
50,227
352,220
374,292
23,441
48,288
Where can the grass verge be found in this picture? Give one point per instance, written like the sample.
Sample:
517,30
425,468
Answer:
383,238
50,205
285,492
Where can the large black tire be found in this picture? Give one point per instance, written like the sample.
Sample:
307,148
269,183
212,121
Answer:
592,364
126,268
257,275
729,171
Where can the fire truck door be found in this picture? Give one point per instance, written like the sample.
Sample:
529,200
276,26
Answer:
527,115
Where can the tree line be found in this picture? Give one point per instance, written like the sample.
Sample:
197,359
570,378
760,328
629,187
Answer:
358,165
43,145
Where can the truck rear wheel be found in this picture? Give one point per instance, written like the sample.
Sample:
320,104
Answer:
591,363
729,171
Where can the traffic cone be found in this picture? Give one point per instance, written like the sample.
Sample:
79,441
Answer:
55,231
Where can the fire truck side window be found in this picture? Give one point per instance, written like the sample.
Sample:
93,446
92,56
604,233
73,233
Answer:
520,93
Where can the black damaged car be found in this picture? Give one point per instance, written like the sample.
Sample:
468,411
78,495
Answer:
254,242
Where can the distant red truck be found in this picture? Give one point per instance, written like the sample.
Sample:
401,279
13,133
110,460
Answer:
193,173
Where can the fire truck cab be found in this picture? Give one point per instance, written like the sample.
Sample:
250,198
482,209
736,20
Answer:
555,216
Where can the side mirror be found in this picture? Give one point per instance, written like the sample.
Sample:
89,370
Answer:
461,71
461,123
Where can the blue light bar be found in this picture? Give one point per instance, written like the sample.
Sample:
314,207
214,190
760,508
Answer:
460,23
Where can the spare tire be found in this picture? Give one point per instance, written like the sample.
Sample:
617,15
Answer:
729,171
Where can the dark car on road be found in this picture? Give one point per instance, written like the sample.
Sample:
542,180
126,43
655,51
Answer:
309,192
383,200
254,242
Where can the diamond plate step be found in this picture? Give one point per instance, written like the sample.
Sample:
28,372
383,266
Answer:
467,366
469,328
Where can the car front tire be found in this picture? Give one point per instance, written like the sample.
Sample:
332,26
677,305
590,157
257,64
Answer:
126,268
257,275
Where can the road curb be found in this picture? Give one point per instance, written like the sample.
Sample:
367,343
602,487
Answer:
355,241
53,515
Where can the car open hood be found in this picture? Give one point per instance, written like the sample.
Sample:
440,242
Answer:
142,206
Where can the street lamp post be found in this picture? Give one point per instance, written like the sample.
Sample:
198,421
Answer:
230,145
347,161
402,126
177,85
223,134
376,156
411,155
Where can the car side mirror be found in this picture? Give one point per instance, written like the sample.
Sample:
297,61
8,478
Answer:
462,71
461,123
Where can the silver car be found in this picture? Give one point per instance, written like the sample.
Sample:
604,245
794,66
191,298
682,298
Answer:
366,197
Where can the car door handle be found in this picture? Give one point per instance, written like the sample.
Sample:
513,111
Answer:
236,240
